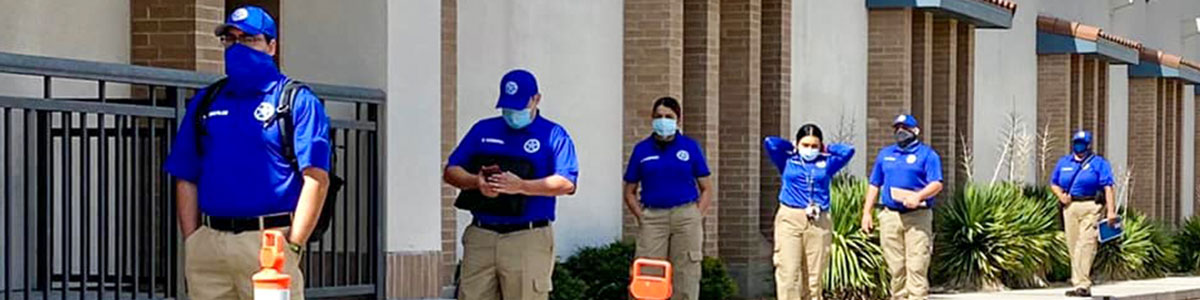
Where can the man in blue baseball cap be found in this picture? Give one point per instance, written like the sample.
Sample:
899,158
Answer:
908,175
1083,182
252,154
510,169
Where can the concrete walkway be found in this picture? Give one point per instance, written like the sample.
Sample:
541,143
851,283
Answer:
1175,288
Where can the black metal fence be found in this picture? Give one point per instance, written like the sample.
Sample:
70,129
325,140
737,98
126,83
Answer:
88,212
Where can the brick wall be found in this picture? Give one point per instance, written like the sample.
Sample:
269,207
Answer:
922,84
776,97
889,76
412,275
965,102
449,129
1053,108
701,49
1143,133
742,245
942,131
177,34
653,68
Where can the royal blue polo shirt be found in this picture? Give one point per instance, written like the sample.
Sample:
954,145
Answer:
911,169
543,143
667,171
242,172
806,182
1091,179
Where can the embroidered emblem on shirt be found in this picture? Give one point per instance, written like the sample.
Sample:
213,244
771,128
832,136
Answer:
683,155
264,112
532,146
650,158
821,164
890,158
912,158
493,141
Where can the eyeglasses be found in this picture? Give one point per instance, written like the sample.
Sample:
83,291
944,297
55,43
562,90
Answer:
229,39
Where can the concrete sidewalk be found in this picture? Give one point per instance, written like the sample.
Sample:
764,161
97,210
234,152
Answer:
1174,288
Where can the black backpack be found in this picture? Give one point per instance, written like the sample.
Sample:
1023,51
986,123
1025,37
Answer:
283,113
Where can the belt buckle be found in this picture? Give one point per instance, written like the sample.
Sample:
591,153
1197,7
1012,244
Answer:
262,223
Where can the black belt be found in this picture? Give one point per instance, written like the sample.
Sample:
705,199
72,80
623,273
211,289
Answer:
906,211
510,228
238,225
1087,198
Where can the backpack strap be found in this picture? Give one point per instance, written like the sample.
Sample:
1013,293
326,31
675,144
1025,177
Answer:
200,115
287,128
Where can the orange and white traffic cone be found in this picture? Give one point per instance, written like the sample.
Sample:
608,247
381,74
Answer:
271,283
649,287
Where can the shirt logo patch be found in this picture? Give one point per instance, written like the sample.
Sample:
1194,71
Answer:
240,14
493,141
890,158
650,158
683,155
1068,169
511,88
217,113
821,164
532,146
912,158
264,112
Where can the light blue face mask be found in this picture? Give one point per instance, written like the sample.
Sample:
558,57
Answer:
808,154
517,119
665,127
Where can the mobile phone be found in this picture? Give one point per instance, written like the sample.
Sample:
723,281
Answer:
488,171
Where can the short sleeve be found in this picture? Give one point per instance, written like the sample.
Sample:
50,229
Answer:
699,162
184,160
933,167
565,162
461,156
311,132
633,172
877,172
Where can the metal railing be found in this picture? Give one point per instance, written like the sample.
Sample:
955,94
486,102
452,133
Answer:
88,212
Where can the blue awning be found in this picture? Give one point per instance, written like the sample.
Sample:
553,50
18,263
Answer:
1153,69
1050,43
983,15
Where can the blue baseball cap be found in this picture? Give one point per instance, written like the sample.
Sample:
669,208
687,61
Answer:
516,88
251,19
1082,136
905,120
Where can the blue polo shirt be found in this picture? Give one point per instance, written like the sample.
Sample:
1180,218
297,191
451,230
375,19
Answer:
667,171
1091,179
543,143
911,169
242,172
806,182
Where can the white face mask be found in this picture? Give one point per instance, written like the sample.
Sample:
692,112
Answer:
808,153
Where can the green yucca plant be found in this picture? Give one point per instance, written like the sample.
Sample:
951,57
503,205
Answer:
993,236
856,267
1144,251
1187,241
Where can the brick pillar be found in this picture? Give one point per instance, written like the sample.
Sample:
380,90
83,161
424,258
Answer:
1143,134
1076,100
1054,93
1101,134
889,76
922,69
776,95
965,102
701,48
942,132
449,128
1088,109
653,50
1167,161
742,246
177,34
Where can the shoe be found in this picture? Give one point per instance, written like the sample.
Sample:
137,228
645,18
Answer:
1079,292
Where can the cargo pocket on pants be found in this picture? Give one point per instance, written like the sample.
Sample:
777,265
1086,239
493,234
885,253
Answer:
542,286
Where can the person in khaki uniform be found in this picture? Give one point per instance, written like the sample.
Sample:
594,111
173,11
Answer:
676,191
509,254
231,164
906,178
1083,182
803,228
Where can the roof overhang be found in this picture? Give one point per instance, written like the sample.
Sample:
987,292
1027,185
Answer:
1050,43
978,12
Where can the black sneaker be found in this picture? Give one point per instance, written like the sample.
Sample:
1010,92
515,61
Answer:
1079,292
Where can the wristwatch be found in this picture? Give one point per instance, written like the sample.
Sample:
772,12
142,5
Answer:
296,248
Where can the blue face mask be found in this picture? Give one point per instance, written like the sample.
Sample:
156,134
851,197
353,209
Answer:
248,68
1079,148
808,154
517,119
665,127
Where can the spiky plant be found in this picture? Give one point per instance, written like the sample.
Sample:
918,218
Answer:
1144,251
992,236
856,267
1187,241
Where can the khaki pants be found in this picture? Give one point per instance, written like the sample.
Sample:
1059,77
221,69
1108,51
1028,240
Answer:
1079,221
218,265
907,242
676,234
801,253
511,266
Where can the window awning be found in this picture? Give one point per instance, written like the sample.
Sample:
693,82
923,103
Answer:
1058,36
982,13
1155,63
